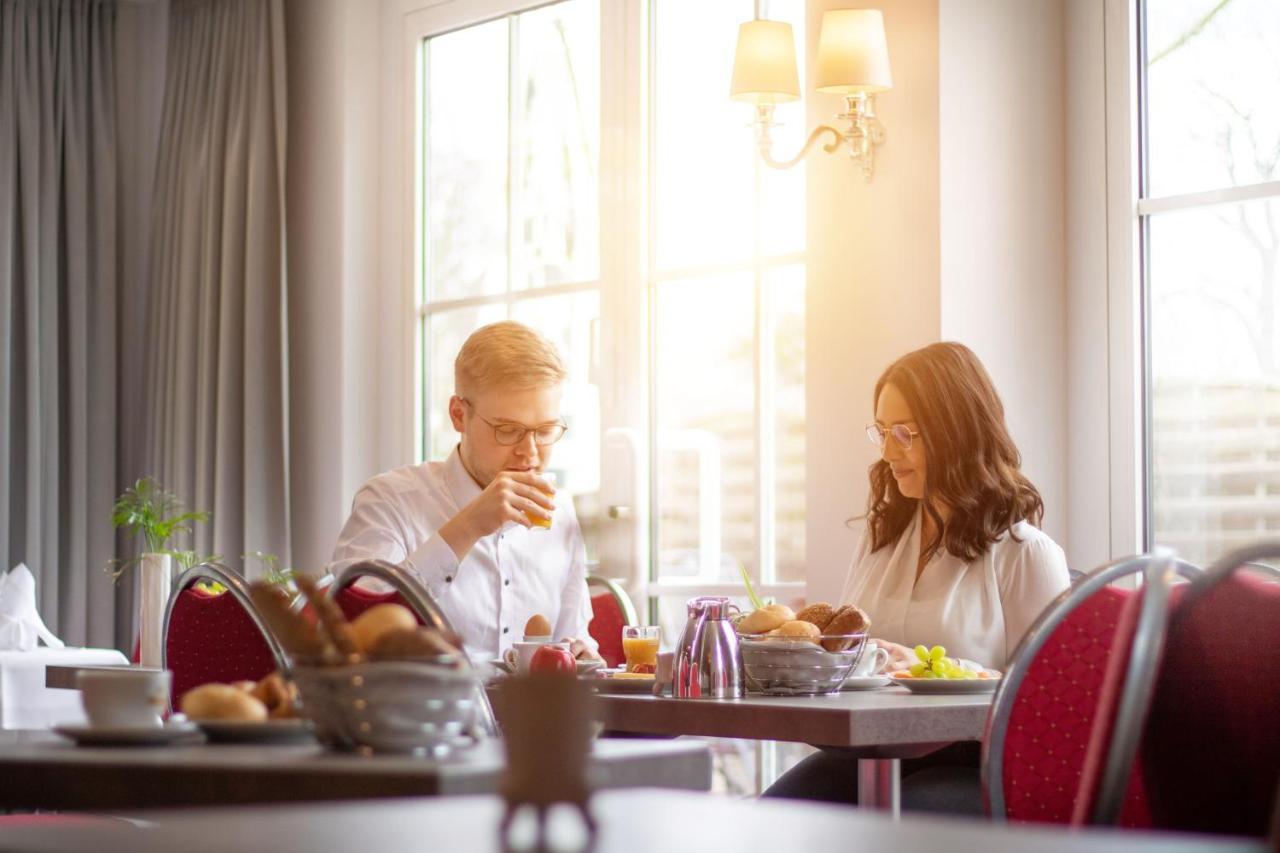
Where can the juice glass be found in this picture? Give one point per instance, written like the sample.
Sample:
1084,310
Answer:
640,646
538,521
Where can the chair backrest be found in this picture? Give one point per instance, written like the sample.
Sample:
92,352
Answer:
1211,741
611,609
405,589
1044,710
220,638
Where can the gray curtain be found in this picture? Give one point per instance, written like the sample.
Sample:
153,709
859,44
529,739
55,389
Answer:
58,343
217,416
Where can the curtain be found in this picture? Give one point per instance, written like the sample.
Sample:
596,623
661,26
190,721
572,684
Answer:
217,419
58,342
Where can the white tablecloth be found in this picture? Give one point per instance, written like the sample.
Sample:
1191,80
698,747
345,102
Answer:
25,703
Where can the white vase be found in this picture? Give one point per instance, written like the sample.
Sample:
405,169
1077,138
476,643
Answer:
154,580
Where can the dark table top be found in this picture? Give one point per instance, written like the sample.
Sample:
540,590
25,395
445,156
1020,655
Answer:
630,821
891,720
40,770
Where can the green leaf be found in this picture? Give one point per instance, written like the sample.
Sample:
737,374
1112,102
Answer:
751,590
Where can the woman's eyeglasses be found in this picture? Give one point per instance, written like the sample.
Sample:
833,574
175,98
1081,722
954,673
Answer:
901,433
509,435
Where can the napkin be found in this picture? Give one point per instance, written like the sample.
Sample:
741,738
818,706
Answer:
21,627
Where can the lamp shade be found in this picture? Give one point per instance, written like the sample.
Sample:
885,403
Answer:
764,65
853,55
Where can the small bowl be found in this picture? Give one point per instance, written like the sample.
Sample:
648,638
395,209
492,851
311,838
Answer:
420,707
780,666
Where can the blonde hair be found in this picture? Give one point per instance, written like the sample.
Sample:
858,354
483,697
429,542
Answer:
506,354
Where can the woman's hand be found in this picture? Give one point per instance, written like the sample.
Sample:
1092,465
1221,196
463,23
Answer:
900,657
581,650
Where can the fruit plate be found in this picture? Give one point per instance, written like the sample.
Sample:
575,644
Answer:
609,684
267,731
948,685
584,666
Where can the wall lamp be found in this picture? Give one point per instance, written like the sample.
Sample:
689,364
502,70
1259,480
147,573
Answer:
853,61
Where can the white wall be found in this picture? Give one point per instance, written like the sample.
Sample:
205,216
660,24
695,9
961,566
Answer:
1003,290
874,267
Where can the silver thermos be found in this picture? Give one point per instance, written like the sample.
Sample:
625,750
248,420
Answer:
708,661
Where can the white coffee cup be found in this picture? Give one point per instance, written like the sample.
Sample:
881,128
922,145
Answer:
873,661
124,698
520,654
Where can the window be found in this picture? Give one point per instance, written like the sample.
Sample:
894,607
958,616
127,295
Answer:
672,227
1209,216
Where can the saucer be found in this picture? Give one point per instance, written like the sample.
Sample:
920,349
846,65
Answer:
130,735
267,731
584,666
864,682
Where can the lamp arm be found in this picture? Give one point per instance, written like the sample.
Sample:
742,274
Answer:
766,146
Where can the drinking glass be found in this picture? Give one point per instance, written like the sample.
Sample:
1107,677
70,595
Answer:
640,646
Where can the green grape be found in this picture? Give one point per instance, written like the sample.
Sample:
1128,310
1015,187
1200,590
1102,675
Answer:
922,653
937,653
917,669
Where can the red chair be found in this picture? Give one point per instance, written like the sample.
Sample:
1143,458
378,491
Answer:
216,638
1043,713
407,590
1205,730
611,609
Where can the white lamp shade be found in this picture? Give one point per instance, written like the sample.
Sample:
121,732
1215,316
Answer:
764,65
853,55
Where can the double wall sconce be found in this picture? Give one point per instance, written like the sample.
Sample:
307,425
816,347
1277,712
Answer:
853,61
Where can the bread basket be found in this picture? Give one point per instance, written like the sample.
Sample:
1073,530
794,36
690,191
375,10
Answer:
780,666
422,707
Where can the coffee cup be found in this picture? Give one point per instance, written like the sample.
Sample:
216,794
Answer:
873,661
520,654
124,698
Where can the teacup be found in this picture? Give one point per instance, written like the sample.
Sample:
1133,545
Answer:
520,654
127,698
873,661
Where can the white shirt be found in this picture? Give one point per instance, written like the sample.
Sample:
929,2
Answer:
507,577
978,610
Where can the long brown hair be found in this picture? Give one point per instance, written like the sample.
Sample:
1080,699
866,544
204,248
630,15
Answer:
972,464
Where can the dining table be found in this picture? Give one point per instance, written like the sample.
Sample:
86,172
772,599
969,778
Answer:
628,821
879,727
40,770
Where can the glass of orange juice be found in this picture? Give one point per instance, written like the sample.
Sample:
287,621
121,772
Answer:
640,646
536,520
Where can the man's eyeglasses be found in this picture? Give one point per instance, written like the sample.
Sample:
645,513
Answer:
510,435
901,433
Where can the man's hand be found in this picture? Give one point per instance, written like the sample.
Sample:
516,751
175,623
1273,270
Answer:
581,650
507,498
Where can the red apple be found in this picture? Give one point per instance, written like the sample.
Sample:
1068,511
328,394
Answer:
553,659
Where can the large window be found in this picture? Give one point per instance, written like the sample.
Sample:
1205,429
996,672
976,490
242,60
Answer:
1210,231
582,169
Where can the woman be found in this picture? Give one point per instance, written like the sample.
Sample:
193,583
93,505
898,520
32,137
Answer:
950,554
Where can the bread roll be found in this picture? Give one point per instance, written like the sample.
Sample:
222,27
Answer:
222,702
848,620
378,620
765,619
416,644
797,630
279,696
819,613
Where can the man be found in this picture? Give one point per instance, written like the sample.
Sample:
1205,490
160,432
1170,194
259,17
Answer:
465,526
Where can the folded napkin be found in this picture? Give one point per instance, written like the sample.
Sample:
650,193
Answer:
21,627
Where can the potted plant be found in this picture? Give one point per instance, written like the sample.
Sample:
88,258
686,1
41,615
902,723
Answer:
148,510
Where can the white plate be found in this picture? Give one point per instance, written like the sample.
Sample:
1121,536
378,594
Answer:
948,685
130,735
268,731
864,682
584,666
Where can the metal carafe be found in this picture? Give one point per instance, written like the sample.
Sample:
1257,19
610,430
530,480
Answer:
708,661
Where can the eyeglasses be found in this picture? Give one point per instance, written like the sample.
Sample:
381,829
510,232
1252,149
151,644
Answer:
901,433
509,435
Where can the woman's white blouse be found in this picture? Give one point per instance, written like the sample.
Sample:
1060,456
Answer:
978,610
